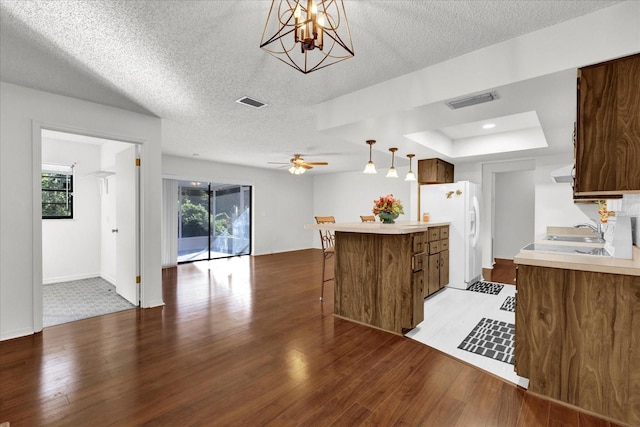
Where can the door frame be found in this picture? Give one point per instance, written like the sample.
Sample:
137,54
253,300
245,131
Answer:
36,238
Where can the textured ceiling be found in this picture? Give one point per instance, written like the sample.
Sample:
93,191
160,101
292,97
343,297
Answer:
188,61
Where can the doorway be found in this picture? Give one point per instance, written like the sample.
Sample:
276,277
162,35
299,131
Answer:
90,237
513,212
214,220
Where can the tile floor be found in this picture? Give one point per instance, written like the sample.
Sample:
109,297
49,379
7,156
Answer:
451,314
80,299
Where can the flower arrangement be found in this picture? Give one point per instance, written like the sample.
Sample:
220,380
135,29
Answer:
387,204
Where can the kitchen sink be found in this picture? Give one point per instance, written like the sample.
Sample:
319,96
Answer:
577,239
573,250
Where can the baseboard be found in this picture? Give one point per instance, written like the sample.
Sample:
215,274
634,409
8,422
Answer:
9,335
111,280
53,280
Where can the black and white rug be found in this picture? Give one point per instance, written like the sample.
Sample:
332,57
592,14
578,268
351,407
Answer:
509,304
491,338
486,287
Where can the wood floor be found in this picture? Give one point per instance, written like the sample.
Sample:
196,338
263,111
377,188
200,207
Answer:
246,342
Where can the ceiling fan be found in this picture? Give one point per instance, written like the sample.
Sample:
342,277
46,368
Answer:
297,165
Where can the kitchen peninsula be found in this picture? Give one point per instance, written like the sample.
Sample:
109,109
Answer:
381,271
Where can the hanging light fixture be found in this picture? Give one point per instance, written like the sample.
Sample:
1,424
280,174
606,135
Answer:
392,170
370,167
320,29
410,175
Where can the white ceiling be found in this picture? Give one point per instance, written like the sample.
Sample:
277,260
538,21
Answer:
188,61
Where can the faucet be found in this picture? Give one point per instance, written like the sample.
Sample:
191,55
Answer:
597,230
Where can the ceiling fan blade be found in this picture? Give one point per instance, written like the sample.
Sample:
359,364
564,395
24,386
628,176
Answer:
278,163
306,166
317,163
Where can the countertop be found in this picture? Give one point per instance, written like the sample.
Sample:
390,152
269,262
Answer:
400,227
630,267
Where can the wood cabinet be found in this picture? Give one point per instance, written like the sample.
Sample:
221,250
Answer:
438,264
607,145
380,278
577,338
434,171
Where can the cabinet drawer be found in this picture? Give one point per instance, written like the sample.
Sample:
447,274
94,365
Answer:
419,242
444,245
418,262
434,247
434,234
444,233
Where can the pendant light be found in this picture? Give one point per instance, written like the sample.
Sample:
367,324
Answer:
410,175
392,170
370,168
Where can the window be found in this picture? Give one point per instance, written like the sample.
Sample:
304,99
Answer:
57,191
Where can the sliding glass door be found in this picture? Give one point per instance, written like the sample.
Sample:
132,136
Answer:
214,221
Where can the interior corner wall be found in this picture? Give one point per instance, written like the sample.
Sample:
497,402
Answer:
23,112
71,247
282,203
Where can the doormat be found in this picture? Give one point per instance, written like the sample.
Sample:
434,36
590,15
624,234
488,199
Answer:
509,304
491,338
486,287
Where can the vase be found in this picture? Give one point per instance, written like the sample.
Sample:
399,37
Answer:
388,217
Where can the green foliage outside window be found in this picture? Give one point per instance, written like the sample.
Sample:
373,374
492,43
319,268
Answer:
57,195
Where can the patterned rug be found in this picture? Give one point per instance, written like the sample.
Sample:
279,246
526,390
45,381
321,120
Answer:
486,287
509,304
491,338
68,301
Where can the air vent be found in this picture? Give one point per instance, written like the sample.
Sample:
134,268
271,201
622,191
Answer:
477,99
251,102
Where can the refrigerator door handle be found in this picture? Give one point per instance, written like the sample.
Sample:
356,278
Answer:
474,225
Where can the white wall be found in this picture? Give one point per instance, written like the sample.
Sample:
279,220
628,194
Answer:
282,203
71,247
348,195
23,112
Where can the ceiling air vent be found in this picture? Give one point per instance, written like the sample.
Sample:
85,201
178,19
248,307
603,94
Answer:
251,102
473,100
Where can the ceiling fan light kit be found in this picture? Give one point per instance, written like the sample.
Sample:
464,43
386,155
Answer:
318,28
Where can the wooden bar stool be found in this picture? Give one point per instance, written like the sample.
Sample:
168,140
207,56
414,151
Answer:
368,218
328,239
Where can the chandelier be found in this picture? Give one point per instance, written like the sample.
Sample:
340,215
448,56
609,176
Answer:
309,37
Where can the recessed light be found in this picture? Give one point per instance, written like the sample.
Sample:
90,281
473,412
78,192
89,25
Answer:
488,126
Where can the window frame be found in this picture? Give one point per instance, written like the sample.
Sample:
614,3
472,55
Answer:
68,192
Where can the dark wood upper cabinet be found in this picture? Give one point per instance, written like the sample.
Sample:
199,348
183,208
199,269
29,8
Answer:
434,171
607,146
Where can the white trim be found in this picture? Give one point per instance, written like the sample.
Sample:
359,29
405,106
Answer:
37,281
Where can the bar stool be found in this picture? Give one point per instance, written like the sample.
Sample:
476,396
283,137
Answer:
328,238
368,218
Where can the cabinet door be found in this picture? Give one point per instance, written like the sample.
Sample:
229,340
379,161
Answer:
434,171
444,268
433,280
608,131
417,286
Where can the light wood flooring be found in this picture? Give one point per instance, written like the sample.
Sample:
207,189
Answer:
246,342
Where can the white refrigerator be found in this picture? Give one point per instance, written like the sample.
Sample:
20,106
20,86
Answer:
458,204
